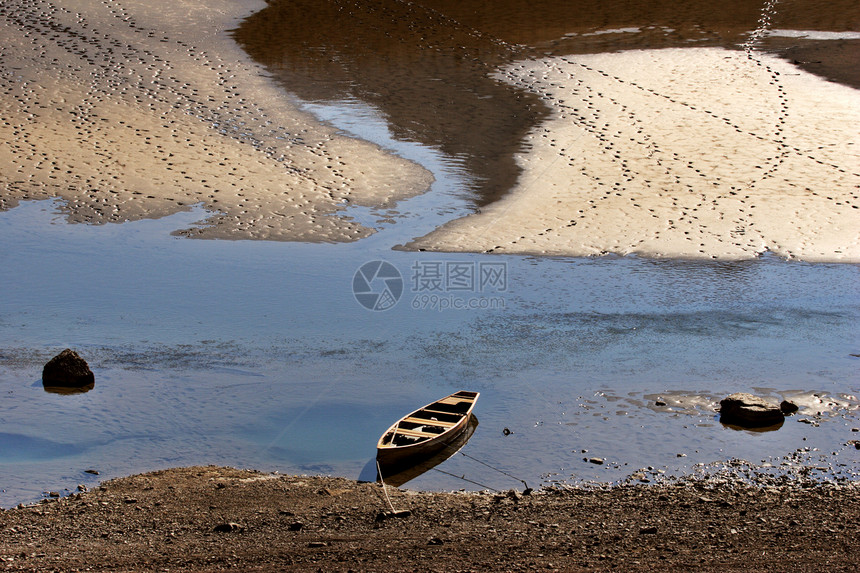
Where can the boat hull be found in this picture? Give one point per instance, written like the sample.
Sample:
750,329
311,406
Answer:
426,431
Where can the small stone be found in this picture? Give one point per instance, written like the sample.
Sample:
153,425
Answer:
296,526
383,515
317,544
229,527
659,402
787,407
434,541
650,530
92,472
597,461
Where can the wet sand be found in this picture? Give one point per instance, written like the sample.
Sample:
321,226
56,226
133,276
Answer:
688,153
130,110
592,145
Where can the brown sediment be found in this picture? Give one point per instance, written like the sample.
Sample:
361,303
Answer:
210,519
129,111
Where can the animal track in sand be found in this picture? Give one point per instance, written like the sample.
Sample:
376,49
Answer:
673,151
125,114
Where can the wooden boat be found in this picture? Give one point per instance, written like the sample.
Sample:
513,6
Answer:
398,473
427,430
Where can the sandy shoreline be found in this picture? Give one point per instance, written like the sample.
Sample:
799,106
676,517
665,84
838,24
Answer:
127,112
211,518
687,153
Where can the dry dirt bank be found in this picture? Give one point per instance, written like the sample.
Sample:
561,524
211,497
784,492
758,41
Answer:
173,520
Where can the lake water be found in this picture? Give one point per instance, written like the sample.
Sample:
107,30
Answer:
259,354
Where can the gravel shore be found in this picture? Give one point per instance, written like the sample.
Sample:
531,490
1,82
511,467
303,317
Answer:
213,518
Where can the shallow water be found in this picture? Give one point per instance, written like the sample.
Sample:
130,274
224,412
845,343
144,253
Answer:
258,354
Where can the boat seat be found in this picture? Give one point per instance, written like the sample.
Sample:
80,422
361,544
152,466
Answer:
430,422
415,433
443,412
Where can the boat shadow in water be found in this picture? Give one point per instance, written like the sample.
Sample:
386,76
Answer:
398,473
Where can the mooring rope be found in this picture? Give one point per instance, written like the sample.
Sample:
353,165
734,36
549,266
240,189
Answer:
498,470
464,478
382,481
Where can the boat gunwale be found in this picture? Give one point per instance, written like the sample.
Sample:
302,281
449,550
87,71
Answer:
431,440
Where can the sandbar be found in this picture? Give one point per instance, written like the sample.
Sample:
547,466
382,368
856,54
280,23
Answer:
138,110
694,153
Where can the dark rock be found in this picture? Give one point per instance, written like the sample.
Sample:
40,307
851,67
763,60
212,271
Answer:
296,526
435,541
228,527
597,461
67,370
660,402
651,530
317,544
787,407
744,409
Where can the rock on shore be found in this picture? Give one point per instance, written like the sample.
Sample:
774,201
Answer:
748,410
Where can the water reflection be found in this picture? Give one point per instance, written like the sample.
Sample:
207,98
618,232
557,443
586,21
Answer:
398,474
754,429
69,390
427,65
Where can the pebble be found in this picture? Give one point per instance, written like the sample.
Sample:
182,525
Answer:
229,527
